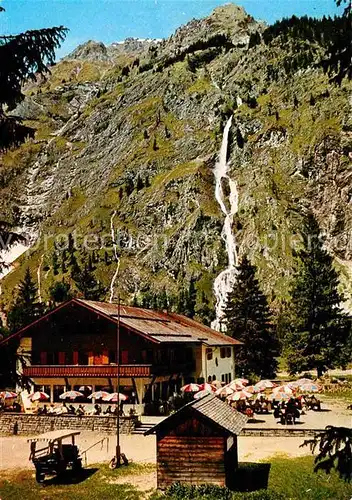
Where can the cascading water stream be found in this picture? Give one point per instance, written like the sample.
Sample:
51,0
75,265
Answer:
117,259
224,281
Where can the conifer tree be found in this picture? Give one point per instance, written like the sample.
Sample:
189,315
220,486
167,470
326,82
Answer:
248,319
86,283
60,292
26,307
23,57
318,331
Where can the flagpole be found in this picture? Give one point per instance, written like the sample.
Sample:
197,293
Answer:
118,451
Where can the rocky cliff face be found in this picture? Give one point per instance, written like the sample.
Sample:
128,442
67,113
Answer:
126,139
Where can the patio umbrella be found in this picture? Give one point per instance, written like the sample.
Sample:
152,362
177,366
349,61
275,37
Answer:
217,384
98,395
85,388
190,388
235,385
39,396
224,391
279,396
242,381
239,395
207,387
252,389
309,387
115,397
264,384
71,395
301,381
8,395
201,394
284,389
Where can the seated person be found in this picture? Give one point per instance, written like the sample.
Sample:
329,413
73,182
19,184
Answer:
43,411
16,407
97,409
80,410
51,410
108,410
315,403
63,410
71,410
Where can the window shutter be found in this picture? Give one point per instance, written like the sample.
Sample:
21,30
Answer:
61,358
124,357
75,358
43,358
90,358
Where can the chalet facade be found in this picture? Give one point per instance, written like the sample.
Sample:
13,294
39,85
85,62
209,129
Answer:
75,345
198,444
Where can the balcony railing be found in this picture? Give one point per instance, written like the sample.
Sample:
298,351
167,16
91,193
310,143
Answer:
42,371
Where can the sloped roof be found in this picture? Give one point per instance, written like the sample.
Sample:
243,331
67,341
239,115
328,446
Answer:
162,326
159,327
212,408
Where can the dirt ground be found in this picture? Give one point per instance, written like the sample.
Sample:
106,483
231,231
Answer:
14,450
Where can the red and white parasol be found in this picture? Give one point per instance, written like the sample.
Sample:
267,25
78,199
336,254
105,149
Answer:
239,395
71,395
264,384
8,395
98,395
207,387
284,389
39,396
190,388
115,397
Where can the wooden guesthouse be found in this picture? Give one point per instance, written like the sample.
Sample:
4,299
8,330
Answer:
198,444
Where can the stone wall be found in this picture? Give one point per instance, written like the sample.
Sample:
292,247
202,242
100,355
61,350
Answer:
282,432
16,423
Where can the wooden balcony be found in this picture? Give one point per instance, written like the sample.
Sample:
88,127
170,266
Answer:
58,371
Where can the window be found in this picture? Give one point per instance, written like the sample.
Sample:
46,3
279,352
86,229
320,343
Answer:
124,357
223,378
209,353
62,358
112,356
209,379
83,358
228,352
69,358
222,352
75,358
43,358
35,358
214,377
188,354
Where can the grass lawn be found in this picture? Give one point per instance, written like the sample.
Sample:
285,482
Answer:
290,478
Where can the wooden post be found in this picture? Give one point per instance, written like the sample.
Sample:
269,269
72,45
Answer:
118,451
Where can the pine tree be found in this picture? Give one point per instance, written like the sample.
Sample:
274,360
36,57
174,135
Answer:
23,57
248,319
86,283
319,330
60,292
26,307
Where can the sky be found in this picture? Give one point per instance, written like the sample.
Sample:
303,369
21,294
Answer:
114,20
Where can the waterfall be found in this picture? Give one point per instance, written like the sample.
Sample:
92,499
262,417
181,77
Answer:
224,281
117,258
39,278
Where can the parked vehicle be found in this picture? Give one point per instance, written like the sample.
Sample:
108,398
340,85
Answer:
55,457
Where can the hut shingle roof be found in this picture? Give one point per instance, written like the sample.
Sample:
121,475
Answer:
213,409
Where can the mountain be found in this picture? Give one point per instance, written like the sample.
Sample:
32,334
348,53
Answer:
127,137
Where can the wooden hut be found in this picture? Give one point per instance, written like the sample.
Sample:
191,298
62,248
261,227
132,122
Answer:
198,444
